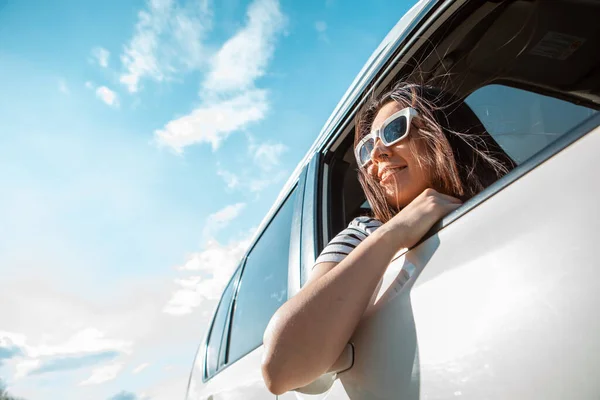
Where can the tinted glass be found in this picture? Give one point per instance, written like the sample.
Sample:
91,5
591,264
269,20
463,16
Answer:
524,122
394,130
365,151
263,286
216,333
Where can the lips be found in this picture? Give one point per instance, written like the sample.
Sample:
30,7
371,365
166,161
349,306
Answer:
386,172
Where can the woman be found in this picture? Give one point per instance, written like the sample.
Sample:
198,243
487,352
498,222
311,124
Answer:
421,153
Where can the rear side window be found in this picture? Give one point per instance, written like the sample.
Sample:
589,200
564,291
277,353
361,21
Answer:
218,327
263,286
524,122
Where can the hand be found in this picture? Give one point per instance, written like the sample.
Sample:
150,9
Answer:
412,223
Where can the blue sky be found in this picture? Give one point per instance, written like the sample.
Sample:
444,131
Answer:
141,143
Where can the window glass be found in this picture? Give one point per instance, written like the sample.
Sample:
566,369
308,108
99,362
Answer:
524,122
263,286
216,332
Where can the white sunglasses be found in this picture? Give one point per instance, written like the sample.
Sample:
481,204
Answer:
394,129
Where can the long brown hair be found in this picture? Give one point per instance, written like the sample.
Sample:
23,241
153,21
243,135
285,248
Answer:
453,144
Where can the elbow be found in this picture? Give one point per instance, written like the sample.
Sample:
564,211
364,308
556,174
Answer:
272,376
284,365
273,361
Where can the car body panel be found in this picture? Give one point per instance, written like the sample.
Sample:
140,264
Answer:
505,308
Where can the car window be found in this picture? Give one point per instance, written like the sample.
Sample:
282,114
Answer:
524,122
216,333
264,282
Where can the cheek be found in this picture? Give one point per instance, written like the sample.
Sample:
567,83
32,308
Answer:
405,151
372,170
409,152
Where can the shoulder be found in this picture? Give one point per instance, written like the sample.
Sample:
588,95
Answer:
365,223
345,241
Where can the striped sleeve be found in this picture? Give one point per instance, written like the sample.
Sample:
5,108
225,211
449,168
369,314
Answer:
345,241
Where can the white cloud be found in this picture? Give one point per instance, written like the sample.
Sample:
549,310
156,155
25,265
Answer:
12,339
88,340
84,341
253,184
107,96
214,121
140,368
24,367
62,86
267,156
231,180
222,218
244,57
321,28
257,185
103,374
49,351
230,99
167,40
214,255
101,56
215,264
129,323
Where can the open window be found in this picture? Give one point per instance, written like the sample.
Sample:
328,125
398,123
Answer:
529,69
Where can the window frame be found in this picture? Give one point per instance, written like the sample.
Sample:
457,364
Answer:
296,248
311,238
235,281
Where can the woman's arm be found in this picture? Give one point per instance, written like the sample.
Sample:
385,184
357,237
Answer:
308,333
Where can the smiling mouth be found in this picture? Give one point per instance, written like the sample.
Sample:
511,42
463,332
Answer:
390,171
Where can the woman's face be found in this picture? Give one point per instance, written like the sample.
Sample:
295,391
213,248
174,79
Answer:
395,168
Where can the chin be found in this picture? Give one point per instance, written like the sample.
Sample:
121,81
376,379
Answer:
397,202
401,198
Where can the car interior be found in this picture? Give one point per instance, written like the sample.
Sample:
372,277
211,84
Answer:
542,53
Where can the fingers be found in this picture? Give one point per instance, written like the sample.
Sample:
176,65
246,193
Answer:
437,205
443,208
451,207
435,193
451,199
414,220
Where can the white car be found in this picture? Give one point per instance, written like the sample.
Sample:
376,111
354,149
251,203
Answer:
503,299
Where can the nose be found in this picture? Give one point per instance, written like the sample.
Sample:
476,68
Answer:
379,151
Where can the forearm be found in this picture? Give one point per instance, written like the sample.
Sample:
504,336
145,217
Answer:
309,332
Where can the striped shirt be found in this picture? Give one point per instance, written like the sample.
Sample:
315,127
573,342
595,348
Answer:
345,241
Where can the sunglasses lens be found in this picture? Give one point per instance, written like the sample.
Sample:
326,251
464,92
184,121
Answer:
364,152
395,130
